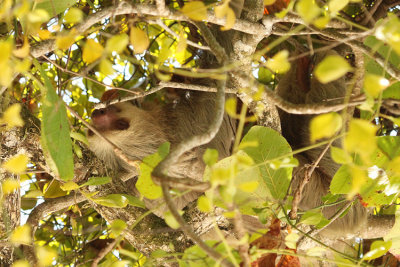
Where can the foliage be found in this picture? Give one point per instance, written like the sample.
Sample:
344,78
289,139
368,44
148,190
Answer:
57,58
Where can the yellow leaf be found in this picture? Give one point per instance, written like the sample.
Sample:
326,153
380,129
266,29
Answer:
203,204
92,51
230,107
139,40
279,62
16,164
361,138
322,21
325,125
359,179
229,214
21,235
38,16
182,43
23,65
21,263
375,84
230,20
394,166
12,116
117,43
337,5
45,256
5,51
65,41
74,15
195,10
106,68
53,190
6,73
331,68
269,2
69,186
9,185
22,52
308,10
44,34
248,186
220,10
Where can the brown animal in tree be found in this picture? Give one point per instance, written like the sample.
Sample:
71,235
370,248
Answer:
139,131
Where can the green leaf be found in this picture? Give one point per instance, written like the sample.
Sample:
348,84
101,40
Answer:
378,249
134,201
291,240
97,181
342,262
145,184
53,7
389,32
325,126
312,217
341,181
371,66
270,146
112,201
394,235
55,134
284,163
117,226
196,257
340,156
265,76
227,169
210,157
195,10
331,68
159,254
170,220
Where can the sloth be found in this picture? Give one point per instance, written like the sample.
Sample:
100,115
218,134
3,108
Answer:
139,131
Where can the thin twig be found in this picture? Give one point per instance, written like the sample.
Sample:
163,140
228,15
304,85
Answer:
87,77
315,231
174,34
307,176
